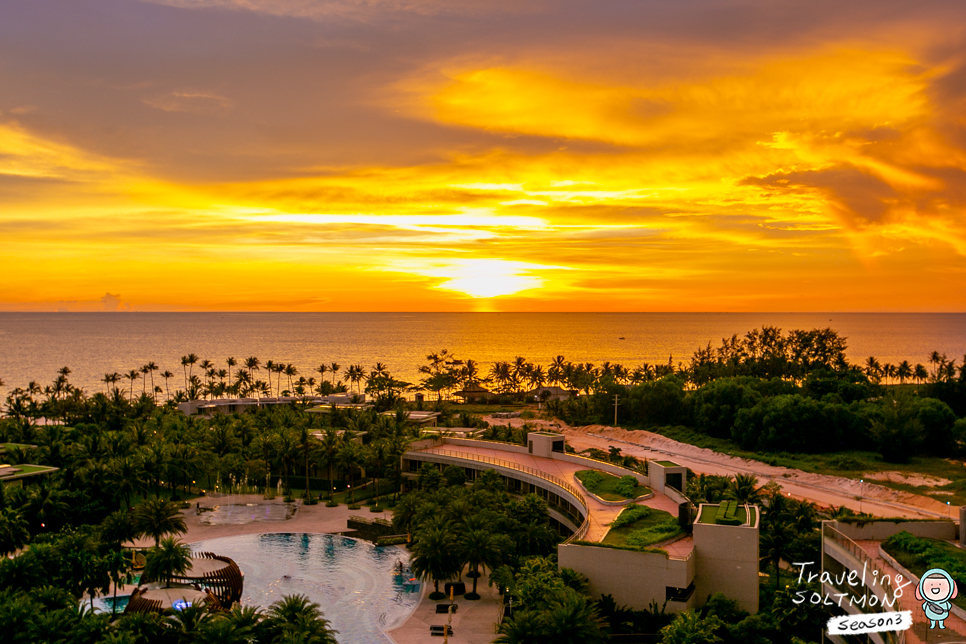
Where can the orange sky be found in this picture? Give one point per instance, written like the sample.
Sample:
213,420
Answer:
469,155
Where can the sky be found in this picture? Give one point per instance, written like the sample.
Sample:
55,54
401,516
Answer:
482,155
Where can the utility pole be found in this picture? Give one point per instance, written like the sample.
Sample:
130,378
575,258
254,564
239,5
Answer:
616,397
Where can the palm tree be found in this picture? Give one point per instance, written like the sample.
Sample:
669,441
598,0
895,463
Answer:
328,452
689,628
334,368
252,364
167,392
920,374
481,549
322,369
903,371
349,457
167,560
13,531
744,489
157,517
118,567
295,619
132,375
434,556
231,363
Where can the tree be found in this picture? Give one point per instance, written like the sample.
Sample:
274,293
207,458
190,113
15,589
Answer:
482,549
13,531
744,489
167,560
295,619
689,628
118,566
434,556
158,517
349,457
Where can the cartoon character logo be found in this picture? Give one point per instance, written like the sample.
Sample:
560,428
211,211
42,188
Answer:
936,589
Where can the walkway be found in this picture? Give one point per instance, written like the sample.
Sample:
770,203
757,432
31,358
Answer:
920,632
474,622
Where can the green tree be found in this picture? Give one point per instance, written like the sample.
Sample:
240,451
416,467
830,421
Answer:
435,556
690,628
158,517
168,560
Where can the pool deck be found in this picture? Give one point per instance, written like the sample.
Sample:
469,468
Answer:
309,518
474,622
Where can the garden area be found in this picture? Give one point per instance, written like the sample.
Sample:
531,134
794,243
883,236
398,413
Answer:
639,526
611,488
919,554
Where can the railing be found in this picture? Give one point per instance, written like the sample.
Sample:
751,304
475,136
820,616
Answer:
855,550
510,465
584,527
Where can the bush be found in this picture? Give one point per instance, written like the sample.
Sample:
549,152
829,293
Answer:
375,508
626,486
331,503
591,479
395,540
355,506
630,515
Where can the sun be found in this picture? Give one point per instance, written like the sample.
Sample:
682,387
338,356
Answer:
484,278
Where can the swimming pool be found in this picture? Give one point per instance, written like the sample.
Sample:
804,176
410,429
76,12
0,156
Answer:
352,581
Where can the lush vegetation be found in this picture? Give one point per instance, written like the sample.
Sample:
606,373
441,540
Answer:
795,392
611,488
918,554
125,466
639,526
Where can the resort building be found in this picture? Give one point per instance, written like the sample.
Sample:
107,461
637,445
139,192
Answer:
543,394
17,475
857,547
242,405
718,553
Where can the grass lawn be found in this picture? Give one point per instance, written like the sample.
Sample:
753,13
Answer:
849,464
913,564
607,488
645,531
709,512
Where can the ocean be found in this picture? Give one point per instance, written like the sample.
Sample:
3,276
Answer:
33,346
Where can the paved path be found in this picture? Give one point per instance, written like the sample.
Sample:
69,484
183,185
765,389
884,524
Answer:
920,632
474,622
308,518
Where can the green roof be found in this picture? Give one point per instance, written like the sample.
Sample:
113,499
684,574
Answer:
667,463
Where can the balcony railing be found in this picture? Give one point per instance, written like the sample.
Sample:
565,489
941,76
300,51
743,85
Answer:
859,554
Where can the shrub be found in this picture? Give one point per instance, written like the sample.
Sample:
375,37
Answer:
331,503
630,515
626,486
355,506
375,508
592,479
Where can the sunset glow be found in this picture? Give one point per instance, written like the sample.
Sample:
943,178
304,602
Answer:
336,155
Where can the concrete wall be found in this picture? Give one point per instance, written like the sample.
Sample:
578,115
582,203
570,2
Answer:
633,578
727,562
880,530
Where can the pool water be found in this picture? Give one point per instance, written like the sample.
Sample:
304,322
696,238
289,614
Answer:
105,604
356,584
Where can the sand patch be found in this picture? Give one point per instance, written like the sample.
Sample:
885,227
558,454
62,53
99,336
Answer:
909,478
